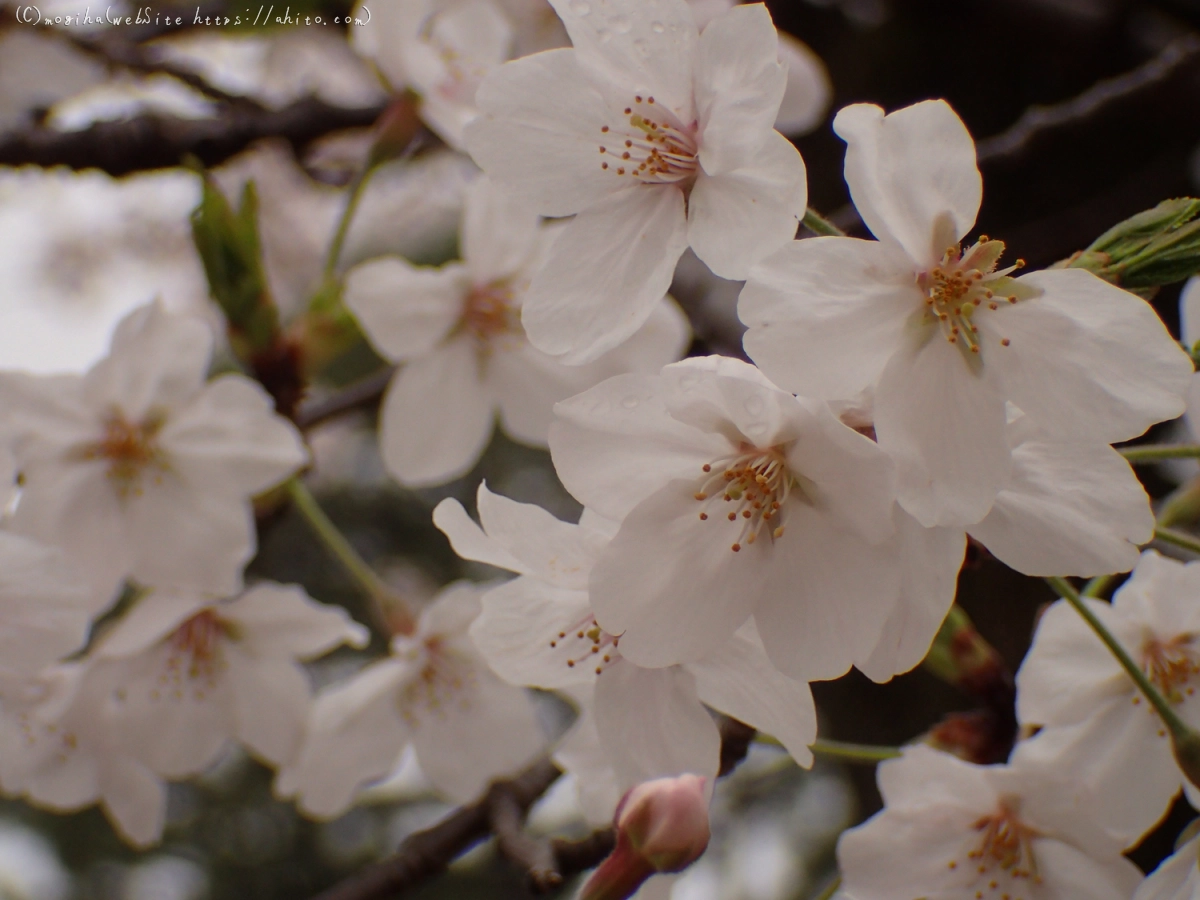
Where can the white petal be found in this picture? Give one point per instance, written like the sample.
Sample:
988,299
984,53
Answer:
1072,873
829,596
282,620
1070,509
486,733
1087,360
405,310
553,550
744,213
653,725
538,133
912,175
616,444
134,799
520,623
608,270
157,360
738,680
1176,878
638,47
469,540
944,425
924,777
500,232
669,584
357,723
808,88
230,440
739,86
451,613
1189,311
826,314
437,418
270,704
155,615
584,758
931,558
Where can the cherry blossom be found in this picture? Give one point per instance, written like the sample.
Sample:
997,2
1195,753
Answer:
1176,878
737,499
458,332
61,750
539,630
1095,722
43,607
940,335
187,673
433,692
957,831
654,137
140,469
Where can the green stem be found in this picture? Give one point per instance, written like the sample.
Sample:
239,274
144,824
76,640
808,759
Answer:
1178,538
1153,452
868,754
1098,586
818,224
1166,712
353,198
828,892
390,613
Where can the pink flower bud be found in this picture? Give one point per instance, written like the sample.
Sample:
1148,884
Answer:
662,826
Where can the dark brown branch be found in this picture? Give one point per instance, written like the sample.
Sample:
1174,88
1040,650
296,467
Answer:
501,811
361,394
155,142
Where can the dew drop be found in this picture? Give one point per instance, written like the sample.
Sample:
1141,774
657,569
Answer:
755,429
641,46
689,382
754,405
621,24
630,402
580,7
658,27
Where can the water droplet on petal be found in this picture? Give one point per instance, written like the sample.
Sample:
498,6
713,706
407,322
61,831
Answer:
689,382
604,35
640,46
630,402
754,405
755,429
580,7
621,24
657,27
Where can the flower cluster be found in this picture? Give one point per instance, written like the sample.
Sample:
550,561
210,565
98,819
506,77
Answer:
749,525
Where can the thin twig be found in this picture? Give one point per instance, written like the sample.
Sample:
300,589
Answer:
1145,453
361,394
506,815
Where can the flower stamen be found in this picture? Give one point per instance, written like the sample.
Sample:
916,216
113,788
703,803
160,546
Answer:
757,482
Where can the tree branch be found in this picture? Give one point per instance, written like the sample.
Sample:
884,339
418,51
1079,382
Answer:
363,393
501,812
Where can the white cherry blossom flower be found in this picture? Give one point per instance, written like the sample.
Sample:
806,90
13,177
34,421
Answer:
952,830
1176,878
655,138
43,607
140,469
944,338
188,673
457,330
738,499
1095,722
539,630
61,750
434,692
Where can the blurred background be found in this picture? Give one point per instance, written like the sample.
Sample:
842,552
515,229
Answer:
94,220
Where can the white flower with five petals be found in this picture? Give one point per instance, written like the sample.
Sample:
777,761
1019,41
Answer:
957,831
434,692
539,630
186,673
654,137
140,469
942,337
1095,721
737,499
457,331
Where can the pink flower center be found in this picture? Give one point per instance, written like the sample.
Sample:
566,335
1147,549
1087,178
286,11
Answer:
445,678
1003,859
650,146
130,448
1171,666
586,644
749,488
194,661
489,311
965,281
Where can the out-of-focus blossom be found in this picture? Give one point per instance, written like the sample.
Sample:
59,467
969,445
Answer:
943,337
188,673
1176,878
738,499
1096,725
662,826
126,97
141,469
81,250
539,630
458,333
435,693
36,71
954,830
656,138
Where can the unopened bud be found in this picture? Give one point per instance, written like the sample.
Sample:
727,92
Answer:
662,826
1186,746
